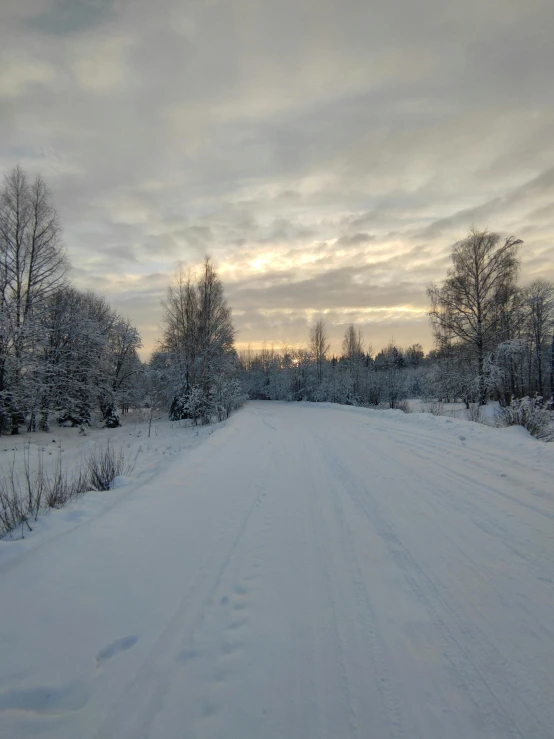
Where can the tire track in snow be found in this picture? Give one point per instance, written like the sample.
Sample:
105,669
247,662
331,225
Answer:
478,659
375,652
350,569
465,499
281,693
332,600
459,500
440,487
489,463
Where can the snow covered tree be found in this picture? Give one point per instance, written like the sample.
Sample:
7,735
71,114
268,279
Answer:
390,363
292,374
103,374
86,359
474,304
319,346
198,342
32,268
60,376
60,350
538,302
216,333
506,370
122,364
414,355
180,343
353,358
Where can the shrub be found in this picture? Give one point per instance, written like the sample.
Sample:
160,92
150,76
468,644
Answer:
40,491
403,405
529,413
62,488
104,465
474,413
436,407
13,508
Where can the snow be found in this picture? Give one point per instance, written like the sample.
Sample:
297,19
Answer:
304,571
487,413
146,454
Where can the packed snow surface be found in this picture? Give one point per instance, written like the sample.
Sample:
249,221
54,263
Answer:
306,571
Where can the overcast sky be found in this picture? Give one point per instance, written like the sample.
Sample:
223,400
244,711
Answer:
327,153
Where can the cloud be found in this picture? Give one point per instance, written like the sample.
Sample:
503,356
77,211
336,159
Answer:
100,64
326,155
355,239
64,17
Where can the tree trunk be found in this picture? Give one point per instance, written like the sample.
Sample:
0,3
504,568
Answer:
539,370
552,370
481,368
16,420
44,424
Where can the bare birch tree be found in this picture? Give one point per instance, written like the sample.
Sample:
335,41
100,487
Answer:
32,268
319,346
473,304
538,300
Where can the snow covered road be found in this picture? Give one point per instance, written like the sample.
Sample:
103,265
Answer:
307,572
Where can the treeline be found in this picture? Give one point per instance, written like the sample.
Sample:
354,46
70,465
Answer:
63,352
494,340
66,354
355,377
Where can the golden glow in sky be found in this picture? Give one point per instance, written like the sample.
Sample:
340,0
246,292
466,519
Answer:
327,155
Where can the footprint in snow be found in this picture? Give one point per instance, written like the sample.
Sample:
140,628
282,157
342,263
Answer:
208,709
187,655
46,699
119,645
238,624
229,648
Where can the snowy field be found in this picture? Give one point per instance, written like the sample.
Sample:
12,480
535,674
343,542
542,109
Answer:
305,572
146,446
487,414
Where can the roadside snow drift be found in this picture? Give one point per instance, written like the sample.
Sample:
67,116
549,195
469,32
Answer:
306,572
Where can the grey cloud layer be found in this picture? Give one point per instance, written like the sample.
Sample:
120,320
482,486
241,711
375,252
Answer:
327,154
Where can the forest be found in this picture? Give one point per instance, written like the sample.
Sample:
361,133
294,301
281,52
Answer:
67,355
